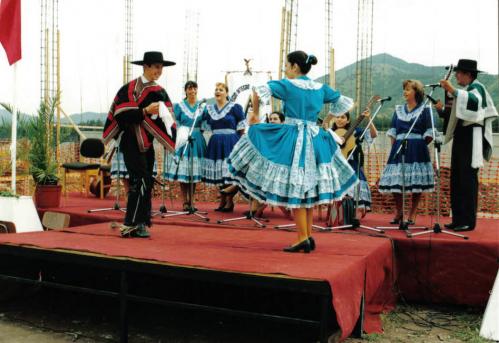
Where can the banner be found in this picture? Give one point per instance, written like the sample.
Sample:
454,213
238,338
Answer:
10,29
240,90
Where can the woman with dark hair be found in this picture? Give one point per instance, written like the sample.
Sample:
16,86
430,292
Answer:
296,164
226,121
418,169
343,122
179,169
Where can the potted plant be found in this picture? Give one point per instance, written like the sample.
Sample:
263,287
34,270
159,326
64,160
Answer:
43,166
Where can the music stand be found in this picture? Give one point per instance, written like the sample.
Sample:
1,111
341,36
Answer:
404,225
356,224
116,207
437,149
190,143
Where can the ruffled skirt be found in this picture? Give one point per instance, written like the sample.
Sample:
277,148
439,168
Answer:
179,169
290,165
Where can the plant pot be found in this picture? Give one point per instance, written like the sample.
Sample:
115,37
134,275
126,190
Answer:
47,196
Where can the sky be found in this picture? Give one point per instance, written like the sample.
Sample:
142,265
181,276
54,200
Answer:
428,32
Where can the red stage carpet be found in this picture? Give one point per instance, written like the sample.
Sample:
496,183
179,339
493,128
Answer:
433,268
341,259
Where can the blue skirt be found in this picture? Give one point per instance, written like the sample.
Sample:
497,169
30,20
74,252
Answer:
295,166
177,169
214,164
363,187
118,163
417,169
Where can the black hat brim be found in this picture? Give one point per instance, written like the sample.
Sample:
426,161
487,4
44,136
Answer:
455,68
165,63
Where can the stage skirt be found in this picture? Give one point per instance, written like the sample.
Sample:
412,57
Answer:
178,169
417,168
296,165
214,164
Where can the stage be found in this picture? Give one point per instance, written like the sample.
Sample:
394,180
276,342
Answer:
350,279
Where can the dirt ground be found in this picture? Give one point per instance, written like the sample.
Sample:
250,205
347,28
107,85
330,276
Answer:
50,316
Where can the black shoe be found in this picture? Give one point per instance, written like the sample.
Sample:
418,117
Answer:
450,226
460,228
311,240
141,232
227,209
303,245
395,221
411,222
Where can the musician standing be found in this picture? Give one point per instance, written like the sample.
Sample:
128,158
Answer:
138,114
469,123
417,166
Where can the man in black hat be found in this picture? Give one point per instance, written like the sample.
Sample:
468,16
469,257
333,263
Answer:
469,125
141,111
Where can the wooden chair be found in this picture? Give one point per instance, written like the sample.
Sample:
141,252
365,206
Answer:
55,220
90,148
7,227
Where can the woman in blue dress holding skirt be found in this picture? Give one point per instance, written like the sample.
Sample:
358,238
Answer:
226,122
179,168
296,164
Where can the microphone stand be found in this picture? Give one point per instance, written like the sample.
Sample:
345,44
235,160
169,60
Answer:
355,224
162,209
189,143
437,149
116,206
404,225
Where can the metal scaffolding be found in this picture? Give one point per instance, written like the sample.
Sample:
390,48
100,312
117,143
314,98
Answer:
191,40
329,72
49,54
127,58
289,32
363,67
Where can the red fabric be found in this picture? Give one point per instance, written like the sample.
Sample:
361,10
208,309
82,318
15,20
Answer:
340,259
10,29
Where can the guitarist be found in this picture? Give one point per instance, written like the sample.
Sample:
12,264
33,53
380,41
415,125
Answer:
341,126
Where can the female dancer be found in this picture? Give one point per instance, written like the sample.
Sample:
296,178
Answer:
418,170
295,164
226,121
343,122
179,168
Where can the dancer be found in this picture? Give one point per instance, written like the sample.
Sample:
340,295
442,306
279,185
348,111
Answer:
470,128
226,121
418,169
296,164
343,122
178,169
140,110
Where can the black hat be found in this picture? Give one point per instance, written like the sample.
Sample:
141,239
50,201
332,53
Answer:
152,57
466,65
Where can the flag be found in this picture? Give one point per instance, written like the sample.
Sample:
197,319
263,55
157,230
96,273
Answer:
10,29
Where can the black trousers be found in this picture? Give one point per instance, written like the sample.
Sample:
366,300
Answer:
140,169
464,178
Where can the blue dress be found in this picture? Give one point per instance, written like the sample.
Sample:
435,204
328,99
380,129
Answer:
295,164
417,167
176,168
365,191
223,124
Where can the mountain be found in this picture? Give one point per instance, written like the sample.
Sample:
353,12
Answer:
78,118
388,73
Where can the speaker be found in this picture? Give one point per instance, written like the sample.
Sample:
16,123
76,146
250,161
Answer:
21,212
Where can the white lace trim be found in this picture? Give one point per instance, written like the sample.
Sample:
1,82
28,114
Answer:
215,115
343,105
404,116
306,84
187,111
264,92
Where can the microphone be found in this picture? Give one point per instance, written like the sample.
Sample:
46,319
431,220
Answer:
203,100
386,98
433,85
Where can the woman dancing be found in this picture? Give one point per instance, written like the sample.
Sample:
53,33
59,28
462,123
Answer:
296,164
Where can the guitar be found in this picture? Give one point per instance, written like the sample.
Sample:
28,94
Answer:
349,140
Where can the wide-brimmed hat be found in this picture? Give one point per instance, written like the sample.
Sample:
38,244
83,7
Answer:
466,65
151,57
